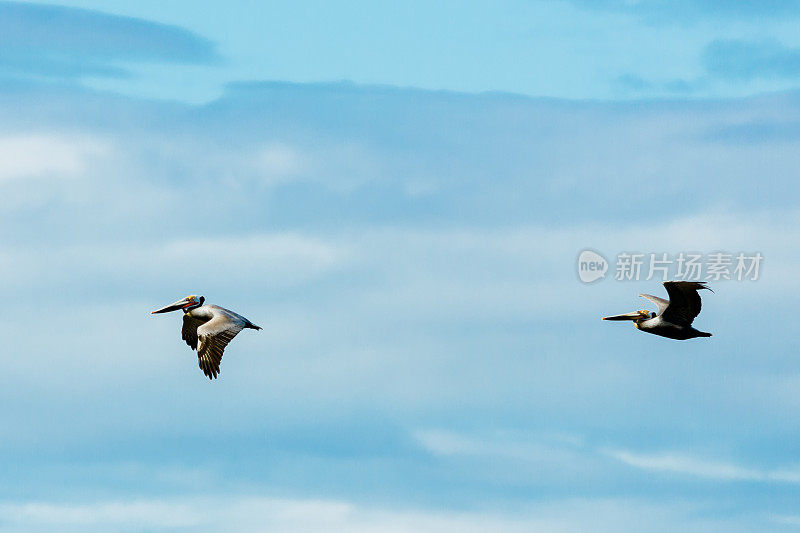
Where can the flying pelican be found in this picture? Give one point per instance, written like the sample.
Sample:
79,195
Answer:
675,316
207,329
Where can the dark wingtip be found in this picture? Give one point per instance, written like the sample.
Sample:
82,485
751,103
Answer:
698,284
704,285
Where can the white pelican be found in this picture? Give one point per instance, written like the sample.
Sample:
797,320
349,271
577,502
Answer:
674,317
207,329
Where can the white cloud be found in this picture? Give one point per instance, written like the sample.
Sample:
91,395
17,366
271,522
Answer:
683,464
276,259
678,463
145,513
448,443
269,253
278,162
556,448
509,445
788,520
257,513
43,155
341,166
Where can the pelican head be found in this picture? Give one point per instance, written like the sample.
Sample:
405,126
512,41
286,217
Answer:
188,303
636,316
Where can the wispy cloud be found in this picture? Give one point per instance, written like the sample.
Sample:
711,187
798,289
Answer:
257,513
278,162
289,166
258,260
556,447
67,42
497,444
683,464
339,166
131,514
678,463
786,519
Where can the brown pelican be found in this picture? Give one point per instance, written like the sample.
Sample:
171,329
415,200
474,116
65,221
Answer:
674,317
207,329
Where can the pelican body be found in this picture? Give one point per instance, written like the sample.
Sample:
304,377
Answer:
675,316
207,329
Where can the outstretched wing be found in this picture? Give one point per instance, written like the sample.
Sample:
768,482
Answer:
213,337
661,303
189,330
684,301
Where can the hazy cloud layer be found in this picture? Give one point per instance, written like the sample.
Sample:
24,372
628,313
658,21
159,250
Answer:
411,257
737,60
255,513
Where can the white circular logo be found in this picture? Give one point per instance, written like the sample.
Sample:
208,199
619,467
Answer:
591,266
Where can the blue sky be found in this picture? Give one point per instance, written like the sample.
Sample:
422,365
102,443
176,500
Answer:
577,50
397,193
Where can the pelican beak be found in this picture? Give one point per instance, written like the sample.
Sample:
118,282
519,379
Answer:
171,307
636,315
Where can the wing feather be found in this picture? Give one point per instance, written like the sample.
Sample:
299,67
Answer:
189,330
684,301
213,337
661,303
